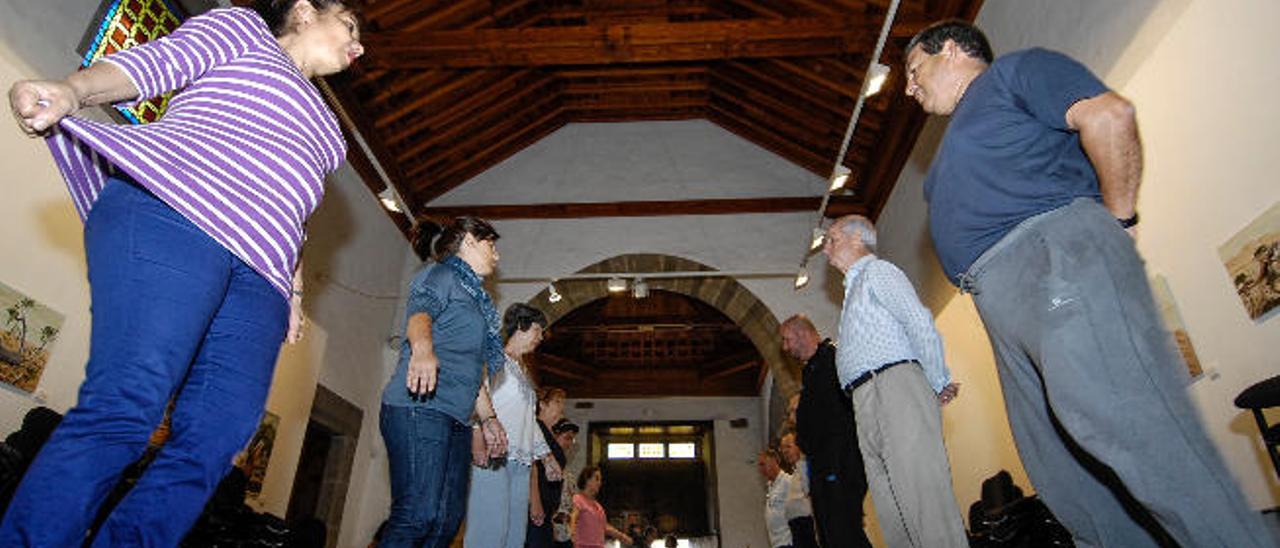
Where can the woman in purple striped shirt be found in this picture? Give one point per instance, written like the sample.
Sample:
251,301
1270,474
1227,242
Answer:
193,226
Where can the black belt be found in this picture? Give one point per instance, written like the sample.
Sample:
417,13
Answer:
863,378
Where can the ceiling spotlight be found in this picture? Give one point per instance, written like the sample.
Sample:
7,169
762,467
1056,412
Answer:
553,296
639,289
818,237
879,74
839,178
802,278
616,285
389,201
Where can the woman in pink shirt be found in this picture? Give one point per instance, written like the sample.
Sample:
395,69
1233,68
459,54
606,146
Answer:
588,522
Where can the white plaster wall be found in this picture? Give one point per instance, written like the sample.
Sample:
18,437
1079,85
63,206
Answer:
1209,119
739,487
600,162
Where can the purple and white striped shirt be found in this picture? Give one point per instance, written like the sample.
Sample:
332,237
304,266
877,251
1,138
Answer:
242,150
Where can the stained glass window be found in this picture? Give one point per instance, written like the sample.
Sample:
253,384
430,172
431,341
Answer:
124,24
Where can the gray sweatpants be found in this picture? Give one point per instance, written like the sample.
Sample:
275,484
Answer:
900,435
1095,387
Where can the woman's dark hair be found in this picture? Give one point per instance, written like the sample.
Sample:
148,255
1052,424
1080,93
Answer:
450,237
521,317
964,34
585,476
276,12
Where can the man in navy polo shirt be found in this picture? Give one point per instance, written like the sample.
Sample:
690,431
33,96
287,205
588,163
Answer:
1031,207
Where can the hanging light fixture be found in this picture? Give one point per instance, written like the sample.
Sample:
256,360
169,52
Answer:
553,296
818,237
388,199
639,289
616,285
839,178
878,75
802,277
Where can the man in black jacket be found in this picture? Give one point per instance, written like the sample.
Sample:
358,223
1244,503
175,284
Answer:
826,433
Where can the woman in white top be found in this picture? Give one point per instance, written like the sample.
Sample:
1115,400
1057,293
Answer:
498,505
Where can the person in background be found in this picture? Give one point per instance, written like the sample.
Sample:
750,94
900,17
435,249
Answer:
890,361
778,491
452,333
799,506
500,506
193,229
548,480
589,522
827,435
566,433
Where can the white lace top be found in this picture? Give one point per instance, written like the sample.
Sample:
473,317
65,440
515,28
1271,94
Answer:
515,402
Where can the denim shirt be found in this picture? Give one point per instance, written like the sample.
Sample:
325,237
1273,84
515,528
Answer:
457,337
884,322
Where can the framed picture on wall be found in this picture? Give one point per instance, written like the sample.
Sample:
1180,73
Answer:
1252,258
29,330
255,457
1173,322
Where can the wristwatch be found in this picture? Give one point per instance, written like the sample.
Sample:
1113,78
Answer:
1130,222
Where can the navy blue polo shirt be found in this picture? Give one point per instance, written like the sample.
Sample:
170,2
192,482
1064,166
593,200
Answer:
1008,154
457,335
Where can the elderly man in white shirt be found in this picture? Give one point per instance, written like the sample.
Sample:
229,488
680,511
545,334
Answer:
779,485
890,361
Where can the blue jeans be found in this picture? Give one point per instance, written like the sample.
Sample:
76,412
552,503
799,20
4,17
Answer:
173,312
498,507
429,455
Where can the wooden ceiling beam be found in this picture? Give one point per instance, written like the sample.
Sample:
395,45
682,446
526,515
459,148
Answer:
656,208
791,109
448,117
637,115
633,71
453,84
759,9
582,88
730,371
504,141
562,367
623,43
551,122
796,131
783,84
843,89
751,131
504,104
622,104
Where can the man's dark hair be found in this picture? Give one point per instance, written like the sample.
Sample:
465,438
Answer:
521,317
970,40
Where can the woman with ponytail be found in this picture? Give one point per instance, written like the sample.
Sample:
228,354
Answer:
439,391
193,226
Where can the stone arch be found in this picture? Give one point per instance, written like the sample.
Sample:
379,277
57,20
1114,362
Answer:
728,296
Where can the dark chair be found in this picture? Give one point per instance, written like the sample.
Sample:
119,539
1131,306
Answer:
1261,396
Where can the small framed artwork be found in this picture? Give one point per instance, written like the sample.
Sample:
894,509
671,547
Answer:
1252,259
255,457
29,330
1173,322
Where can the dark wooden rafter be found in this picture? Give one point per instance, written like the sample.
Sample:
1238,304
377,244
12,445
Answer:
624,43
452,87
655,208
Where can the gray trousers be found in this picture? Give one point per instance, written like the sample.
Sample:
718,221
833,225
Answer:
900,435
1095,388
